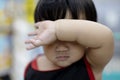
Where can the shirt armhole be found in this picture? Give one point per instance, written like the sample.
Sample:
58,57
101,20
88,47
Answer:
89,70
26,69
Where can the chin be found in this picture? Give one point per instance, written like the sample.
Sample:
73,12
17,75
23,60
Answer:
63,64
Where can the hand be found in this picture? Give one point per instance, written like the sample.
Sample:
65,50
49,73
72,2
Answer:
43,35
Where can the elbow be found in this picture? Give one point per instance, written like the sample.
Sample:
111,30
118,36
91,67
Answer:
108,38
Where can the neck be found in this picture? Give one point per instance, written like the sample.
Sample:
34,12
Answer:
45,64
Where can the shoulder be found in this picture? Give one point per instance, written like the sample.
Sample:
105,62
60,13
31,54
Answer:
40,63
26,69
31,65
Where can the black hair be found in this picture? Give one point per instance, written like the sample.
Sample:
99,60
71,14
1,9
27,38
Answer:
57,9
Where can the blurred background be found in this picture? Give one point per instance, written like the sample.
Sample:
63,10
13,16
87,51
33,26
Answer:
16,20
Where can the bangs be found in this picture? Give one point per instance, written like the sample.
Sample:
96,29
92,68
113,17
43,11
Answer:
57,9
82,8
50,10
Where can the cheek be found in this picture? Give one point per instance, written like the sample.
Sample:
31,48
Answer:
49,51
78,52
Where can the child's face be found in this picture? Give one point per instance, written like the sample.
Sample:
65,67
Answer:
64,54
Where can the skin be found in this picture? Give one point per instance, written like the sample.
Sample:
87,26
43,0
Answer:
63,53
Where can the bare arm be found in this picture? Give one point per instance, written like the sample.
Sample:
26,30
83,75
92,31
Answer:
97,37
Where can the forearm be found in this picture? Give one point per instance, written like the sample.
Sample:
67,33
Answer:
87,33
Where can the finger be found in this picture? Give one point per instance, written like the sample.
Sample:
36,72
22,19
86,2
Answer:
28,41
40,25
31,46
36,42
32,33
37,24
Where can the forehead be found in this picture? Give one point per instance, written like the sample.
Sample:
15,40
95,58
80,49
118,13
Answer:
69,16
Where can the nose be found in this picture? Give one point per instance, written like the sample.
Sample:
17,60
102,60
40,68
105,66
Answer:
62,48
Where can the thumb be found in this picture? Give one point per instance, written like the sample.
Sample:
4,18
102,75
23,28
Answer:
37,24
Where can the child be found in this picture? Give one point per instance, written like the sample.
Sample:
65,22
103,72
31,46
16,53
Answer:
75,46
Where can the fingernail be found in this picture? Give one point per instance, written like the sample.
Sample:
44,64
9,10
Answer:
37,41
27,49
